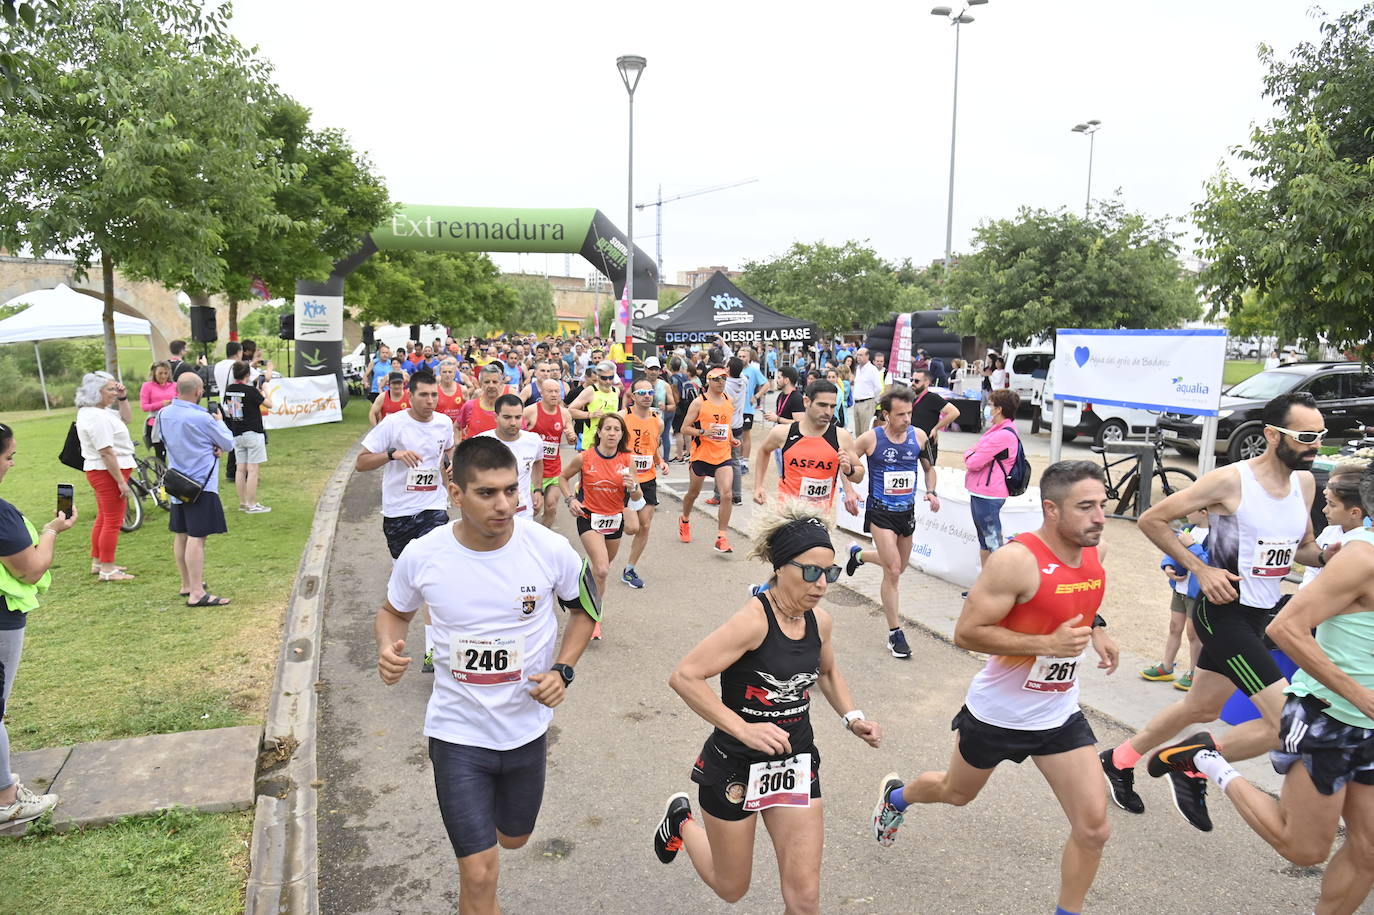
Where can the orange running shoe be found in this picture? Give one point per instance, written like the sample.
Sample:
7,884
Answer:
684,530
722,545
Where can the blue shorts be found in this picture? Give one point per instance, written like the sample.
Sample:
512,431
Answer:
987,521
484,791
400,531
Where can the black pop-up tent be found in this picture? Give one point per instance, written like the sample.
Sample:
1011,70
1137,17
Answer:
717,308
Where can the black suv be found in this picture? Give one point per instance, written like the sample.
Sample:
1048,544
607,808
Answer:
1344,392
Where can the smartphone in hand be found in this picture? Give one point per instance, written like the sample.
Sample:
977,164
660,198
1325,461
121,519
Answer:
65,494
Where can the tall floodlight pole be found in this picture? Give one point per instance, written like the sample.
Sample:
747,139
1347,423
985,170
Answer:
631,67
955,19
1089,129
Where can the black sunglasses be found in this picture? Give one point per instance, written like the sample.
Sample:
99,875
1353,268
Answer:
811,573
606,377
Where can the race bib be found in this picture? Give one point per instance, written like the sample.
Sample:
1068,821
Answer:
815,487
643,462
1053,675
422,479
785,783
550,450
718,432
899,482
488,661
606,524
1273,558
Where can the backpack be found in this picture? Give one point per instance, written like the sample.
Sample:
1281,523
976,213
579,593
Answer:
1019,477
687,391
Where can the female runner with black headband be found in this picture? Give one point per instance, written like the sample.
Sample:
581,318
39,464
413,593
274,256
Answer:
762,757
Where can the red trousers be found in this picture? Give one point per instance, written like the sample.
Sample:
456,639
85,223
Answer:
109,514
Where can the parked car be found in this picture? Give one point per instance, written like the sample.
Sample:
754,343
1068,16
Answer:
1103,423
1026,368
1344,392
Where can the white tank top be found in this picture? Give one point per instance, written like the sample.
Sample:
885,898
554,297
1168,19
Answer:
1259,541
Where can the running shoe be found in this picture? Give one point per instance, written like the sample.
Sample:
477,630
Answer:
257,508
428,666
887,818
1157,673
722,545
854,562
713,500
1184,682
1121,784
1178,757
744,468
896,643
596,632
27,806
1190,799
684,530
737,500
668,836
631,577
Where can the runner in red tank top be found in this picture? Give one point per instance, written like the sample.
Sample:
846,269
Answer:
451,394
478,415
393,399
551,421
1033,610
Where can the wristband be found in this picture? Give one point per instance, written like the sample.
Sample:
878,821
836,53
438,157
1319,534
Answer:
1321,557
851,717
125,397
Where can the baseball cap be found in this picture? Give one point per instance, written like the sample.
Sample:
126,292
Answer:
653,363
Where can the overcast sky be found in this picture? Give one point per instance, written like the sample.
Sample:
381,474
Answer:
841,111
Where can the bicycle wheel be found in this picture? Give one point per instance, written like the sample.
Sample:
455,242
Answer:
133,507
1169,480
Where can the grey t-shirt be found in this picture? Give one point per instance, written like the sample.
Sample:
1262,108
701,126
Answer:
734,389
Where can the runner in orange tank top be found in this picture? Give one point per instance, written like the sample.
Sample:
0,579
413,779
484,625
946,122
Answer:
599,505
708,422
1033,610
646,431
813,453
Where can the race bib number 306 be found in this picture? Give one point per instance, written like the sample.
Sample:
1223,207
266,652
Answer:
488,661
785,783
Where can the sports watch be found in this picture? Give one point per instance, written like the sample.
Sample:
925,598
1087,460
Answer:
566,672
391,454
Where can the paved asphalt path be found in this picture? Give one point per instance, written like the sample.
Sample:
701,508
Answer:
623,742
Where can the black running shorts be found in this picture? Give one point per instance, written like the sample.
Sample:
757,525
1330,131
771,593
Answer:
1333,753
401,530
650,490
484,791
984,745
903,524
1232,637
584,526
721,782
703,469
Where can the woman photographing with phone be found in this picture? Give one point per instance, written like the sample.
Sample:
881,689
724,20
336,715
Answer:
102,425
25,557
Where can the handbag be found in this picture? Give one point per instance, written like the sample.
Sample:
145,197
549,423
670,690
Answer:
182,487
71,450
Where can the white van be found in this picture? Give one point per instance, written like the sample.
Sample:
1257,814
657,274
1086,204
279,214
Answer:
1102,422
1026,368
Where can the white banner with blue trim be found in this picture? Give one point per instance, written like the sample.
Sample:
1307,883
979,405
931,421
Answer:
1178,371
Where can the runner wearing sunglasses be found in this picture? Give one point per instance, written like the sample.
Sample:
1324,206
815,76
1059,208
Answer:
595,401
761,757
1261,523
708,423
645,425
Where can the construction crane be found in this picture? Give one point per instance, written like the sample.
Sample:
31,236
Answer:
661,200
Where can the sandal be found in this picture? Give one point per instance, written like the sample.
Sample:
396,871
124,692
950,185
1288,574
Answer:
97,570
116,575
209,600
204,585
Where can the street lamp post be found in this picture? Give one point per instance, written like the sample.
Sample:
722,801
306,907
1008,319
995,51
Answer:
1089,129
955,19
631,67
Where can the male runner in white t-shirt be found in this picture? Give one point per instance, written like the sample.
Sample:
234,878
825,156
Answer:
527,447
414,446
497,679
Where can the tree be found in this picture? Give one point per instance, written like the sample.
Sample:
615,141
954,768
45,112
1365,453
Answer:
17,16
1296,233
534,311
1048,269
451,288
141,145
838,288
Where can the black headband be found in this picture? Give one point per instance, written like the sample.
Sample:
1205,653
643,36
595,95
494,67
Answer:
796,537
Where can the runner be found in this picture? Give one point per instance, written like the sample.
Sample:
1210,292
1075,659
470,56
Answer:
491,585
813,452
595,401
896,452
761,756
394,399
1328,727
451,393
599,505
645,426
478,414
1034,610
1260,513
530,392
708,421
528,449
552,422
415,447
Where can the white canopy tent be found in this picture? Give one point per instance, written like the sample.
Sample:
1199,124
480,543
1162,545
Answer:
61,314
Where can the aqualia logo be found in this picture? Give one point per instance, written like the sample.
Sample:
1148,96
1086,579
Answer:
1194,388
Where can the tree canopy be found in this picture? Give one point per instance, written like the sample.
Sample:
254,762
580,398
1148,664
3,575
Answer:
836,287
455,289
1048,269
1295,231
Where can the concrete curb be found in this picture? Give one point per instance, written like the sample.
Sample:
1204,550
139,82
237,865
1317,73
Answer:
284,858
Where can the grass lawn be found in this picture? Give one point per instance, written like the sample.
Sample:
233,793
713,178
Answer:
1238,370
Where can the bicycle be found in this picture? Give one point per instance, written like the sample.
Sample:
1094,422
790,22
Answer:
1125,490
144,482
